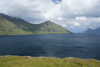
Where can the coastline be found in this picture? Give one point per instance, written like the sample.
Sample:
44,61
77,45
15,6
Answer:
35,34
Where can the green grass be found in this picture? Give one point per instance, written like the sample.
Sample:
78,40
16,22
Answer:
23,61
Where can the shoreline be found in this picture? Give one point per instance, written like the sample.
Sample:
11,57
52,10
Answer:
44,56
35,34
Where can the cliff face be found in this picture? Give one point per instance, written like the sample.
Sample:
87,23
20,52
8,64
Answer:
16,26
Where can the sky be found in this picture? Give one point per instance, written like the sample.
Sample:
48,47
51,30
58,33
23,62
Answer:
74,15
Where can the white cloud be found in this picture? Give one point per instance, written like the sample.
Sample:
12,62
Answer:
80,18
59,18
91,28
63,25
76,24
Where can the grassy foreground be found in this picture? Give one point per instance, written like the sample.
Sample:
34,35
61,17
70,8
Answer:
27,61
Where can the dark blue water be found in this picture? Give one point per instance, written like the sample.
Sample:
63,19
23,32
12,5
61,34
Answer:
67,45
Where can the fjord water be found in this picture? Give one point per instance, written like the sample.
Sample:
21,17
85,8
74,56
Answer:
85,46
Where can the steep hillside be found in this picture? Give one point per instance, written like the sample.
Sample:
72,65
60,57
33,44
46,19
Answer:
15,26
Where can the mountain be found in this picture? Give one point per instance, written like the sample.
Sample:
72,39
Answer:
16,26
89,30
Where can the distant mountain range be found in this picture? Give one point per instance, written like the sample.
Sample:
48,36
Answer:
16,26
89,30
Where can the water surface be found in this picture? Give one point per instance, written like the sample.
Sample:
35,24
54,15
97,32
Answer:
85,46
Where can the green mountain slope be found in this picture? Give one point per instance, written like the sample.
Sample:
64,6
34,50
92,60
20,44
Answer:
49,27
15,26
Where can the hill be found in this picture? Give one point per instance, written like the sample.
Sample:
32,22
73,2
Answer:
89,30
16,26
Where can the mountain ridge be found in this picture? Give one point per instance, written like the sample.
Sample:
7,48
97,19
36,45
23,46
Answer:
89,30
16,26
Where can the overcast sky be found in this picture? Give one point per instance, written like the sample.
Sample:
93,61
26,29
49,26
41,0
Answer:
74,15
